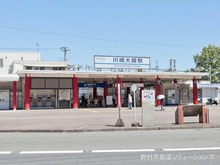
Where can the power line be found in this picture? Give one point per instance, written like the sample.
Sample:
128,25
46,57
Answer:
76,59
7,48
99,39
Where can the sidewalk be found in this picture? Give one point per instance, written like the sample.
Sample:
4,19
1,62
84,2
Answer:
94,119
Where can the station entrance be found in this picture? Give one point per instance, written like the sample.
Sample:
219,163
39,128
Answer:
91,95
67,89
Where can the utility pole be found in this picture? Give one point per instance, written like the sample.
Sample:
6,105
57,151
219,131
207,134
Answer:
210,70
64,49
37,44
157,65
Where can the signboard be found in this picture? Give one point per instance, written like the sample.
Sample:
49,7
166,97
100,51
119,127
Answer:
101,85
124,85
148,96
133,88
148,108
129,62
109,100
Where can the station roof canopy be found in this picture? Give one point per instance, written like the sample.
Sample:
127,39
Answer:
8,77
42,63
128,76
209,85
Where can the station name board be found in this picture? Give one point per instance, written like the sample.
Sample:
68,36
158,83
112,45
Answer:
126,62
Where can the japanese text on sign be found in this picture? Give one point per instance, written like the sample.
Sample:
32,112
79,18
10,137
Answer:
127,60
159,157
101,61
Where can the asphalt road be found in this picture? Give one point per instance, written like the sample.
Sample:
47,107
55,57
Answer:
144,147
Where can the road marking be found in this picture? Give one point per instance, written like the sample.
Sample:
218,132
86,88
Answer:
191,149
5,152
51,152
90,110
134,150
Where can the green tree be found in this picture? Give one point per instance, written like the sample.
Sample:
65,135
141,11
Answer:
190,70
209,61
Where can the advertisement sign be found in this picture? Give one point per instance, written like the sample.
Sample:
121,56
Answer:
148,108
92,85
129,62
109,100
124,85
148,96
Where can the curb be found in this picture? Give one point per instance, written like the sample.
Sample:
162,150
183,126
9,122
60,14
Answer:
114,129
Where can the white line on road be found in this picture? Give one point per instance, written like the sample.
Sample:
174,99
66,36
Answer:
51,152
191,149
5,152
134,150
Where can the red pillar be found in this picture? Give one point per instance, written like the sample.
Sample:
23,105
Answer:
195,91
105,91
158,91
94,92
118,81
14,95
27,92
75,92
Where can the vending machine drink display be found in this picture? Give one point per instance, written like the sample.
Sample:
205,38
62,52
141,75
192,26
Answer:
172,96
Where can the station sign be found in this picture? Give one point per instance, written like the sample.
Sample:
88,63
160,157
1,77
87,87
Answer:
92,85
127,62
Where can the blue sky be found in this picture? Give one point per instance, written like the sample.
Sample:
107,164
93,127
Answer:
162,29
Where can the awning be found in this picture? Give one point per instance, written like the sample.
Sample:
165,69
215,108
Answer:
208,85
8,77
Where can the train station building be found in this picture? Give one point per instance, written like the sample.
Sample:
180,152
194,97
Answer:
28,83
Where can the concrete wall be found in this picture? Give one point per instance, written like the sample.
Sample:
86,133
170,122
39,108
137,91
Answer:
16,67
9,57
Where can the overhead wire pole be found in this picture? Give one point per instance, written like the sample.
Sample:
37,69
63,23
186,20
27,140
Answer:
64,49
37,44
157,65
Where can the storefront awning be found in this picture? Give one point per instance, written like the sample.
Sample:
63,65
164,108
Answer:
8,77
208,85
125,75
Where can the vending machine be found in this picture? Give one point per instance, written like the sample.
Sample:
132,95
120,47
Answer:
172,97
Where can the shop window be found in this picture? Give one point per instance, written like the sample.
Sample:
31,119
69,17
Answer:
42,68
58,68
36,68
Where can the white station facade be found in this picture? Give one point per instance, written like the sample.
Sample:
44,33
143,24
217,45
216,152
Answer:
28,83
